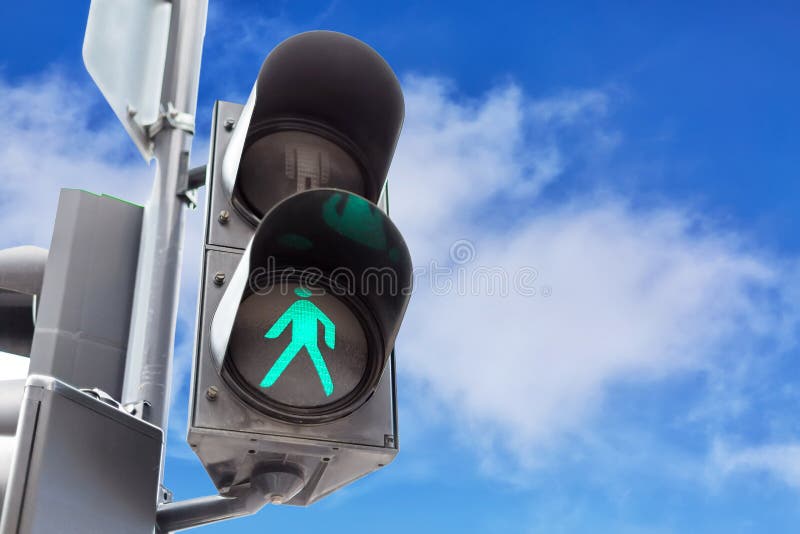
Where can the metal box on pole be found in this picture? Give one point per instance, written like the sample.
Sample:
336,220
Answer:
81,465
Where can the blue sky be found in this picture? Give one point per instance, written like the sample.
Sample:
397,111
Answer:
641,159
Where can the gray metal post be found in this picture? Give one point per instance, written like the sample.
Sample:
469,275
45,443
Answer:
149,360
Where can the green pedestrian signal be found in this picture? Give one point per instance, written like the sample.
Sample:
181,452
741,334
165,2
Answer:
303,315
300,346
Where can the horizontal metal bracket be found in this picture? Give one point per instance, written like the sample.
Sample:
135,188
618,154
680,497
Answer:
102,396
173,119
139,409
189,180
197,177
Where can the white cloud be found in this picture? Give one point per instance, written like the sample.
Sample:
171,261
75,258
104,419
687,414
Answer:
636,295
780,461
52,138
571,106
452,156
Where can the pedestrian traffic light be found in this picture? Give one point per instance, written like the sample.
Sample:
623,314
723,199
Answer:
305,279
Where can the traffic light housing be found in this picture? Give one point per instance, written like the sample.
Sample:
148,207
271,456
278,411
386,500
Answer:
21,274
17,312
305,280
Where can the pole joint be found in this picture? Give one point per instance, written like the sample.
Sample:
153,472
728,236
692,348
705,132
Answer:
170,118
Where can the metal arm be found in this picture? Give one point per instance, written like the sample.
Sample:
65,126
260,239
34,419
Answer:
271,487
22,269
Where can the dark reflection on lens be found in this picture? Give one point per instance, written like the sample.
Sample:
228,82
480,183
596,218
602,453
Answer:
287,162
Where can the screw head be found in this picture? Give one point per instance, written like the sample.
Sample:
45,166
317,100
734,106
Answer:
219,279
212,393
224,217
229,124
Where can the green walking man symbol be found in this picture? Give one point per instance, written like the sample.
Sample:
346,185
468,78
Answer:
303,315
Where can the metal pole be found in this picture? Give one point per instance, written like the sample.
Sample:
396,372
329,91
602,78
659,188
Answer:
148,367
193,513
279,484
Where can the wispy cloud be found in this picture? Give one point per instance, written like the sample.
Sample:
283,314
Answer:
53,137
571,106
781,461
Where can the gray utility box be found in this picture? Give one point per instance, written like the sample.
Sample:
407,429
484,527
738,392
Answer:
234,440
83,318
80,465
